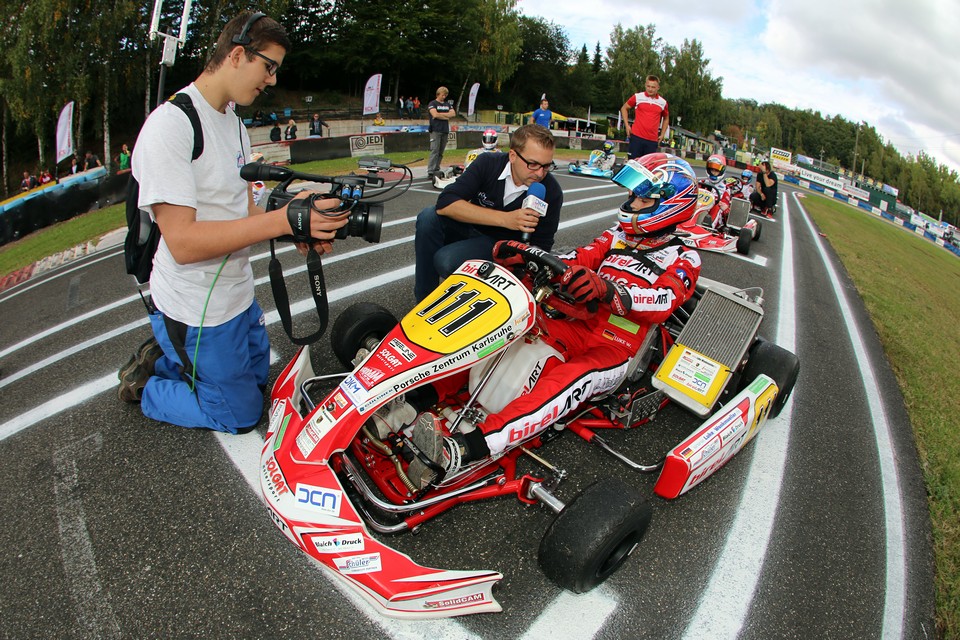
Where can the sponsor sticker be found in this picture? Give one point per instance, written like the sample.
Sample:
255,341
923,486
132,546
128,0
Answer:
319,499
275,481
369,376
345,543
454,602
367,563
405,352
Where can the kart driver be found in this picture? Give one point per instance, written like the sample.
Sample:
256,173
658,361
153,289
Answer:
608,159
488,144
716,166
639,273
485,204
603,158
746,189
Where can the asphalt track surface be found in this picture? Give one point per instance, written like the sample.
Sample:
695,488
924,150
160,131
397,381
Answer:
115,526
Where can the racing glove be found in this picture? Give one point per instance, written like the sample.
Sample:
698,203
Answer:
586,286
507,253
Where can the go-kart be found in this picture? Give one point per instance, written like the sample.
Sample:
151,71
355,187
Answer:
334,465
736,235
593,167
450,174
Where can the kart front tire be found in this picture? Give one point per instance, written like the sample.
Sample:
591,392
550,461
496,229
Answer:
776,362
743,241
358,324
593,535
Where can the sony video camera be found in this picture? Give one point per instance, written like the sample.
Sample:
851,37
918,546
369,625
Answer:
364,218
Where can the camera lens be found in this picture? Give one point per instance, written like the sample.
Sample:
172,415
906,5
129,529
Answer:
363,222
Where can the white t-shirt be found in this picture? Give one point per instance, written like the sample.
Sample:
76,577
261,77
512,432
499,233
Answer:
211,185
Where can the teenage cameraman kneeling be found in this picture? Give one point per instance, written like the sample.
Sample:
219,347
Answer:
209,362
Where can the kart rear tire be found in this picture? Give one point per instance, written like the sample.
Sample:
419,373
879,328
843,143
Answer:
593,535
355,326
778,363
756,234
743,241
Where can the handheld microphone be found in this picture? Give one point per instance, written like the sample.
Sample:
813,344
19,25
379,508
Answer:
536,193
257,171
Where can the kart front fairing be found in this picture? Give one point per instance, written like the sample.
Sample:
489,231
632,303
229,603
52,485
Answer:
697,233
439,337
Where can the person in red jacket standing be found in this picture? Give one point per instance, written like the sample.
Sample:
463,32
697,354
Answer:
651,119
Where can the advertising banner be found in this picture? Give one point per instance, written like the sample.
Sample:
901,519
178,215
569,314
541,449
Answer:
65,133
473,98
371,95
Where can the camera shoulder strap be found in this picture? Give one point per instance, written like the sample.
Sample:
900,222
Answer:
318,289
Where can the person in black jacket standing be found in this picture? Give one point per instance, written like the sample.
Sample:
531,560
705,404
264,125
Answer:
317,125
484,205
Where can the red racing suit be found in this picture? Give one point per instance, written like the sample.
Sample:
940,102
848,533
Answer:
596,351
721,208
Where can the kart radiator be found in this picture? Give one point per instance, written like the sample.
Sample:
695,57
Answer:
710,347
721,328
739,212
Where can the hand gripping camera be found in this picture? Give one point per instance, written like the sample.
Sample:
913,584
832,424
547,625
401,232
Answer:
364,217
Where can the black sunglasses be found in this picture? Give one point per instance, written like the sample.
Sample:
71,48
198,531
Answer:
272,65
536,166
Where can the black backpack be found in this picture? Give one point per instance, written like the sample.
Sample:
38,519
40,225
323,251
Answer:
143,234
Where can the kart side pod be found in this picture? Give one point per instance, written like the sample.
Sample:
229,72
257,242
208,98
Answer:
695,372
717,440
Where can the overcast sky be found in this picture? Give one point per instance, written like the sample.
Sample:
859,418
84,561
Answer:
892,63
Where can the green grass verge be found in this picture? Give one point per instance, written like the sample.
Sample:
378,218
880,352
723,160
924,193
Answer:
909,286
60,237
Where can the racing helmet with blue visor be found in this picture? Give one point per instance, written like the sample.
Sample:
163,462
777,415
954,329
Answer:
665,179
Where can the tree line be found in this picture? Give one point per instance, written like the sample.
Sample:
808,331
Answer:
99,54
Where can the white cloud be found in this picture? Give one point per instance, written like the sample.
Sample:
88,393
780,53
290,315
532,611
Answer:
892,63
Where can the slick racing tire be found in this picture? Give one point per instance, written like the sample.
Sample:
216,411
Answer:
756,233
593,535
778,363
361,325
743,241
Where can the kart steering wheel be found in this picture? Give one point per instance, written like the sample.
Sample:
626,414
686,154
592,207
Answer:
545,269
703,184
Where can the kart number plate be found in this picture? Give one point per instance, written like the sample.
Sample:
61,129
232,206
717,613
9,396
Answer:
460,313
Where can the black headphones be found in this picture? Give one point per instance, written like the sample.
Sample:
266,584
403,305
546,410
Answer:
243,38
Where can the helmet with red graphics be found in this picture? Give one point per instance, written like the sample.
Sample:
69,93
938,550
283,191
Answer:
716,165
489,139
663,194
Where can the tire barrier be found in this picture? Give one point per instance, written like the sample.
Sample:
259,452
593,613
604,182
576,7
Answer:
72,196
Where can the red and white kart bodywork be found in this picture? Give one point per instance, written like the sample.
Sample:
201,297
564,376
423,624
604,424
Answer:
320,458
698,232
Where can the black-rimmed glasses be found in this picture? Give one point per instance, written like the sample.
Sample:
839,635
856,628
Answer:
272,65
536,166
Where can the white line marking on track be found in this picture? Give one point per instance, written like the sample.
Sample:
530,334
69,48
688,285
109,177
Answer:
755,259
573,616
95,615
726,600
894,605
43,278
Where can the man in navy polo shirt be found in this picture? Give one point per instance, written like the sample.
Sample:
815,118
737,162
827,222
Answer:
484,205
